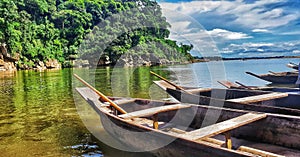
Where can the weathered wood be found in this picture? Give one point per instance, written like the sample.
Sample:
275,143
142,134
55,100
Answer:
122,102
258,98
258,152
278,77
272,125
221,143
102,96
224,126
228,142
164,84
152,111
198,90
164,79
242,85
155,121
228,84
293,66
288,106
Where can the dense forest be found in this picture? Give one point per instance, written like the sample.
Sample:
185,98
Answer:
40,30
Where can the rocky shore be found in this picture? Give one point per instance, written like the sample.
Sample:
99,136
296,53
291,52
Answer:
10,63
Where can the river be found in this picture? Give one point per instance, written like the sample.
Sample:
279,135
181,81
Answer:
40,116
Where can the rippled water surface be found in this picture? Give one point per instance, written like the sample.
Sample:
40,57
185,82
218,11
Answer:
38,116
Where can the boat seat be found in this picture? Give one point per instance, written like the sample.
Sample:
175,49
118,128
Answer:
152,111
221,143
259,98
224,126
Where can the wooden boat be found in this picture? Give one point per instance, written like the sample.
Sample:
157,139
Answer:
245,133
238,85
253,100
278,77
293,66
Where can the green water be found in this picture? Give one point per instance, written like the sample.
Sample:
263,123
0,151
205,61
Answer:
37,112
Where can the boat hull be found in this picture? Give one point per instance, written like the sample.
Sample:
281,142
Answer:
280,107
278,78
275,129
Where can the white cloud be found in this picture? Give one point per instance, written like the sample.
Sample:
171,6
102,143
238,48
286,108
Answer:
290,33
296,51
279,48
225,34
258,44
253,15
260,31
181,26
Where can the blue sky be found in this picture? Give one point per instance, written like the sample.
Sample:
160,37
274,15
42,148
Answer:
236,28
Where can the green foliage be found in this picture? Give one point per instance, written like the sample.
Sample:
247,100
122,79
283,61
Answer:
54,29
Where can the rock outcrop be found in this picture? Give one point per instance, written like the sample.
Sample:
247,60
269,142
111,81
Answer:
7,62
52,64
130,60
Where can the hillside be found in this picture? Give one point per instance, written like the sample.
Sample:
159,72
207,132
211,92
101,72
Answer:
43,30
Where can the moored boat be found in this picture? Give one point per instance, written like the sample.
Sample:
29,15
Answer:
245,133
293,66
244,99
278,77
238,85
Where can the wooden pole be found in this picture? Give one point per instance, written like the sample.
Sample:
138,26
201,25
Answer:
166,81
102,96
243,85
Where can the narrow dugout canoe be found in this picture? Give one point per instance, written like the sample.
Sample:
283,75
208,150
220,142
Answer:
253,100
246,133
293,66
278,78
239,85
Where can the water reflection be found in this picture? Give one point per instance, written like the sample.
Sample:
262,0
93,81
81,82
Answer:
37,114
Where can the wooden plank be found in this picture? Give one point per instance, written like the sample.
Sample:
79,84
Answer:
152,111
124,101
164,85
258,98
224,126
220,143
228,84
198,90
258,152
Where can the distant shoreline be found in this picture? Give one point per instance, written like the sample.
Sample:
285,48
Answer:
207,59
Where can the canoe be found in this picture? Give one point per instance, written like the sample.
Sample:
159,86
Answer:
293,66
196,130
238,85
278,78
243,99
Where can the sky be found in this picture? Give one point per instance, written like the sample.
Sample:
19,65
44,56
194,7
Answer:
236,28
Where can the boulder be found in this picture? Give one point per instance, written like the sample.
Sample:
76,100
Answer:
9,66
53,64
40,66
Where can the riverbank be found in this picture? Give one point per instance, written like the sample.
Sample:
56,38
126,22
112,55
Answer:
207,59
43,67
